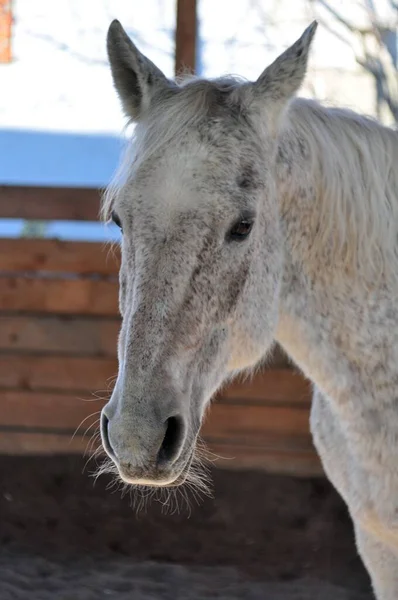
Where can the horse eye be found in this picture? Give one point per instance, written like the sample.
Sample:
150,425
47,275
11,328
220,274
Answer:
116,220
240,230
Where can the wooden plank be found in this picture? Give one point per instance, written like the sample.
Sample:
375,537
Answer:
271,385
83,297
49,203
186,34
293,463
55,256
23,442
29,371
247,437
299,464
252,424
59,334
46,410
260,426
273,439
72,334
82,374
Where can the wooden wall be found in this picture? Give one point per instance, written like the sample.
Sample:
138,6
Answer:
58,328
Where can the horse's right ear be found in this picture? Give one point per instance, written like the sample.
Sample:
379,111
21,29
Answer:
135,77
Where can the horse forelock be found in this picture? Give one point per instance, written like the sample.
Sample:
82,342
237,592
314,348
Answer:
195,102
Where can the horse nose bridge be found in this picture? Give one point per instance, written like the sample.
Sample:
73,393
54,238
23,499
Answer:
142,335
158,297
145,397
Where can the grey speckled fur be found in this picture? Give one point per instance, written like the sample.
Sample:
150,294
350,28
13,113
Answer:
318,273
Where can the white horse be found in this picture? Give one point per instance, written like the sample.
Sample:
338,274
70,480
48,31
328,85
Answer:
249,216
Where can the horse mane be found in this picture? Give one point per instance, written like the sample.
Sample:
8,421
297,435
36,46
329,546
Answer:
354,162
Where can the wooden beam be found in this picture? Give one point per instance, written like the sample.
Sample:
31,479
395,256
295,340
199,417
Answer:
49,412
49,203
186,35
254,425
299,463
296,463
81,375
283,428
68,334
75,296
41,444
55,256
276,439
274,385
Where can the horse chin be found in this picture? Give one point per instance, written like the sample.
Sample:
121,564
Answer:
157,480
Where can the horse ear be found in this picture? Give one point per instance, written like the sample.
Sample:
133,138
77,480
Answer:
281,80
135,77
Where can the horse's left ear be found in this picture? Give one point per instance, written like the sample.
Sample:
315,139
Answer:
136,78
281,80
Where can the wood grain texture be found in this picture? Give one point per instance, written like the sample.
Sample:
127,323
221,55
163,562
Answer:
49,203
54,256
253,423
274,384
48,411
297,463
81,297
258,426
24,442
30,372
67,334
234,456
262,436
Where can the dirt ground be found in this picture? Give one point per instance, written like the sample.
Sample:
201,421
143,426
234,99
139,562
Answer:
260,538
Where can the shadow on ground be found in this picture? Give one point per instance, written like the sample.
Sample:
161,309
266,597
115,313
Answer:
260,537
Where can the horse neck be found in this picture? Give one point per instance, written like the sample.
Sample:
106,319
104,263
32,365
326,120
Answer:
325,293
299,195
310,279
337,185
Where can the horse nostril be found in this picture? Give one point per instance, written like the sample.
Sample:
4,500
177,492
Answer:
105,435
172,441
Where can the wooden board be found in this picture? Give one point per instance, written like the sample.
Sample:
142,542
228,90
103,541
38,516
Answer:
252,424
298,463
81,297
49,203
59,334
54,256
97,336
276,439
26,442
276,384
49,411
83,374
90,374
